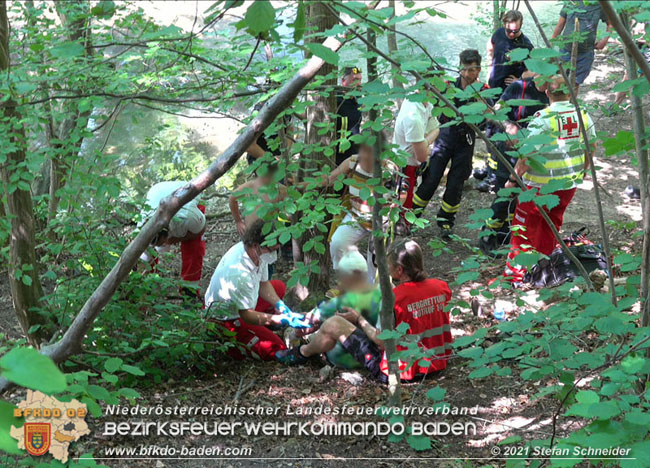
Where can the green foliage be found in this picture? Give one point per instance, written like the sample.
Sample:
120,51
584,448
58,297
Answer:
260,17
7,419
29,368
323,52
547,346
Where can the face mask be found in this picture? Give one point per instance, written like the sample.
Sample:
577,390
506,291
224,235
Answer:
267,258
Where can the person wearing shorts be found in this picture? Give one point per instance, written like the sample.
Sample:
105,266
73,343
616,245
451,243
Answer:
357,293
419,302
588,15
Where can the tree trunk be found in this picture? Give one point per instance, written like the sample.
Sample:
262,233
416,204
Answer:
387,314
391,37
75,18
642,156
72,340
320,19
498,9
26,291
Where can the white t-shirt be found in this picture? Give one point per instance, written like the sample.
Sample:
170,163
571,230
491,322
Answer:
188,218
413,123
235,284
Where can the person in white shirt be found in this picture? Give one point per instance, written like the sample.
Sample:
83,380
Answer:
416,129
242,299
185,228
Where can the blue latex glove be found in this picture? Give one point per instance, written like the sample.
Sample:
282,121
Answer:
295,320
282,308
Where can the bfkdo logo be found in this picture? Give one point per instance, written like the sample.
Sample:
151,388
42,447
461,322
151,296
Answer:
37,438
50,426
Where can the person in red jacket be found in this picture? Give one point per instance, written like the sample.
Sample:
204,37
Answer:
419,302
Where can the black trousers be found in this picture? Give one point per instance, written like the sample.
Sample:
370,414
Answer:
502,209
456,146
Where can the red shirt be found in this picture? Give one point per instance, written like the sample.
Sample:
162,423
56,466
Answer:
421,305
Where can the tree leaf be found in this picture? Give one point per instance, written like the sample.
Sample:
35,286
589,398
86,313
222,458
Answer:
587,396
29,368
128,393
518,55
638,417
260,17
541,67
419,442
104,9
110,378
67,50
132,370
541,53
7,443
99,393
481,372
437,393
323,52
467,276
623,141
510,440
299,25
113,364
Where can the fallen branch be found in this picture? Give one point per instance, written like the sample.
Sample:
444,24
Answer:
223,214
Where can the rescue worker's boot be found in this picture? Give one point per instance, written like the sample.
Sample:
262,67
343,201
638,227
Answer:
446,216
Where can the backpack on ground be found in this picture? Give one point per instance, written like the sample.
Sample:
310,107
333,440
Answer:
559,269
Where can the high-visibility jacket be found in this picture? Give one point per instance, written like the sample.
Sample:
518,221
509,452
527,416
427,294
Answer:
421,304
563,156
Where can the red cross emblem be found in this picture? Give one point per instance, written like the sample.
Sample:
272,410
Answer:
569,126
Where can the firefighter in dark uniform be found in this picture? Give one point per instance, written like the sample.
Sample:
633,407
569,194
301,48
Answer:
456,144
496,232
348,115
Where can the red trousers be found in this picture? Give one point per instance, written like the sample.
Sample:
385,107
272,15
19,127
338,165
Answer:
258,341
192,253
412,179
530,231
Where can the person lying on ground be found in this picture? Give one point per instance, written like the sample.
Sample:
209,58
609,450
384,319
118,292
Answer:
419,302
242,299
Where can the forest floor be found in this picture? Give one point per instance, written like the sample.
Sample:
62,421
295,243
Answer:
504,404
